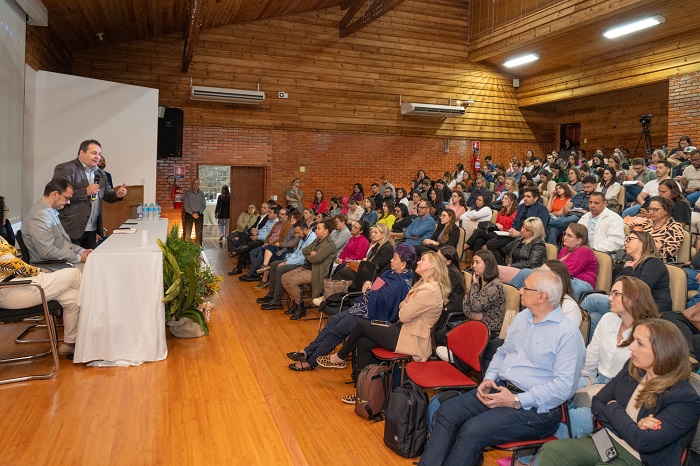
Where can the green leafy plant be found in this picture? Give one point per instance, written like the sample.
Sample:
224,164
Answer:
185,282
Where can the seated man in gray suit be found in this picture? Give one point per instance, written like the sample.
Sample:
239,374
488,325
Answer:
42,231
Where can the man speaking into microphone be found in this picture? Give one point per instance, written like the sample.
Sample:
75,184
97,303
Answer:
82,217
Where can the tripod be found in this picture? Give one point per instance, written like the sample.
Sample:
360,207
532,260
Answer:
647,142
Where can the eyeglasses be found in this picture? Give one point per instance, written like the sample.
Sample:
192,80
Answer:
567,235
630,238
614,294
66,197
531,289
423,207
655,209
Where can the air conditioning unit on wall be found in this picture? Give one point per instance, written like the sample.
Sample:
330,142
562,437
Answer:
433,110
230,96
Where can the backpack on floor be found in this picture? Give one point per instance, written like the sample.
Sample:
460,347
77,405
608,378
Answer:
435,403
371,392
406,423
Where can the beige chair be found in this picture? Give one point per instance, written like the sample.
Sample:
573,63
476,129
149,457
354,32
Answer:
585,326
552,251
468,279
678,287
494,216
461,241
603,281
684,250
512,304
621,198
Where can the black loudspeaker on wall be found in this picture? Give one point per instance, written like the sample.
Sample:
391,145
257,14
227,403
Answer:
170,132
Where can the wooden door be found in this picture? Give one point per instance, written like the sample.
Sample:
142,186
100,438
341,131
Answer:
571,131
247,185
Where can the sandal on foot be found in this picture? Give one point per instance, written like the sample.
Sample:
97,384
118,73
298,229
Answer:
295,366
325,361
350,399
297,356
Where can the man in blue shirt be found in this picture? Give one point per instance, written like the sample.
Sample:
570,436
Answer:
531,207
256,240
532,374
422,227
273,298
576,208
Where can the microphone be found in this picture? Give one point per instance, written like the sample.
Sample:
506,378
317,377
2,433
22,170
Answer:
97,181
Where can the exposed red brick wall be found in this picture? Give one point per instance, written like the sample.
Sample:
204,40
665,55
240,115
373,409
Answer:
684,108
333,162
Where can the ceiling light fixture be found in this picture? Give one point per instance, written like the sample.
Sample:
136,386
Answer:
633,27
530,57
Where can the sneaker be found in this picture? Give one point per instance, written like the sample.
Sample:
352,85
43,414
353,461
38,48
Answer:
263,268
65,350
325,361
444,354
262,285
317,301
349,399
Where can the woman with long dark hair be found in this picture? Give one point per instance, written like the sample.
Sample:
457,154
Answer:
223,211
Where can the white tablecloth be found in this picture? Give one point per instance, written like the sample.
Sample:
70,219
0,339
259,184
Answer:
210,214
122,315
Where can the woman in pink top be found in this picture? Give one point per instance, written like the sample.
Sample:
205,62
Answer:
356,248
580,261
458,204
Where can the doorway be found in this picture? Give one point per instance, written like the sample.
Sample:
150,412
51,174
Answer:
571,131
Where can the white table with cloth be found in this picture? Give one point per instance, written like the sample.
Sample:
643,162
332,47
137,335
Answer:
210,214
122,315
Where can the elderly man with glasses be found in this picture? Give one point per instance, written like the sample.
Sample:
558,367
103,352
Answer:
533,373
422,226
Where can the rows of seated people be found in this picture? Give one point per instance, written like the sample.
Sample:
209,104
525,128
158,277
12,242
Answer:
536,226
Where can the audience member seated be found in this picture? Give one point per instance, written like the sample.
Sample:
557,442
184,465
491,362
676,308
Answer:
377,196
62,286
504,221
523,388
630,304
387,217
446,233
341,235
380,252
255,237
370,213
559,175
420,177
319,204
411,335
249,222
575,180
318,258
527,251
345,206
480,213
387,185
510,186
610,189
355,212
445,192
560,197
615,166
42,231
456,298
649,408
402,196
356,249
572,211
667,233
578,258
413,205
380,301
422,227
6,231
457,204
690,180
278,234
568,304
646,266
480,189
273,298
308,216
499,184
279,251
435,202
606,230
530,207
641,175
650,189
358,194
403,220
543,186
485,300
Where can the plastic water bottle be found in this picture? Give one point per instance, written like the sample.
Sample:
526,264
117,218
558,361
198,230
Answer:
151,211
148,213
157,211
139,212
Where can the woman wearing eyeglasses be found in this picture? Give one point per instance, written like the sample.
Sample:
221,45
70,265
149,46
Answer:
644,265
649,409
527,251
667,233
446,233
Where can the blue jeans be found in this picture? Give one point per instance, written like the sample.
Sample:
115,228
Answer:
692,197
579,286
631,211
692,285
256,259
557,226
463,427
581,418
631,193
597,305
336,330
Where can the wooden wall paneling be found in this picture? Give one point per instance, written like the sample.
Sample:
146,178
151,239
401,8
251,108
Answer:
43,51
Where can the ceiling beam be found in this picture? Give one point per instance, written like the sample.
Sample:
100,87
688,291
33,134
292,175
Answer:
194,18
377,9
561,18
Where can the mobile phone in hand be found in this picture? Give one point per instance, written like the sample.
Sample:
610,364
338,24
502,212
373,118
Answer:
381,323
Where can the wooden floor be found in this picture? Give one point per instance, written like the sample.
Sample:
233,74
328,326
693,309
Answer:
223,399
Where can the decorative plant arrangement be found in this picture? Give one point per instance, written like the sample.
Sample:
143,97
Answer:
186,281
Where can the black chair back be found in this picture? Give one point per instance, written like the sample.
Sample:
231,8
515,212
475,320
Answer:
366,272
22,247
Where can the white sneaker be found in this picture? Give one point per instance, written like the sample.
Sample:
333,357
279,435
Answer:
444,354
317,301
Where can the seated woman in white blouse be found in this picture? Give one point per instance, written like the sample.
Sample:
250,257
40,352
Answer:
470,220
630,303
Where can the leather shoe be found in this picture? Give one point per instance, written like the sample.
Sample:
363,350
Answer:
299,312
297,356
292,309
271,306
264,299
236,271
250,278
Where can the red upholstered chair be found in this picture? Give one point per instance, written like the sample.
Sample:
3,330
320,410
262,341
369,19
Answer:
393,358
467,342
534,444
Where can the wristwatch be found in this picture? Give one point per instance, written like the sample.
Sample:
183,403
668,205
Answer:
516,402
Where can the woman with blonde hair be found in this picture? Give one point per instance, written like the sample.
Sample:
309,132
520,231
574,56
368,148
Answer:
381,249
417,315
649,409
527,251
